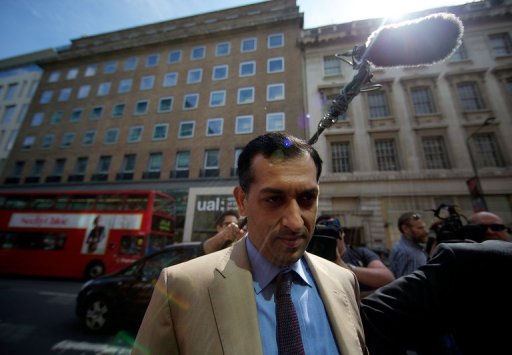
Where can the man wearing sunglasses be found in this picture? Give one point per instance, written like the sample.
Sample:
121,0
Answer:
496,230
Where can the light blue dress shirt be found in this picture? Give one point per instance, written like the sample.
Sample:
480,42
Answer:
317,336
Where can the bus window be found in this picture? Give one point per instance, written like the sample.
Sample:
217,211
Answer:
109,203
164,205
136,202
43,202
131,245
17,202
61,202
33,240
82,202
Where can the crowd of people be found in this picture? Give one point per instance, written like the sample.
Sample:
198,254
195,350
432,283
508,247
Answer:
349,302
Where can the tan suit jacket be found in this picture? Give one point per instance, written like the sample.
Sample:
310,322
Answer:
207,306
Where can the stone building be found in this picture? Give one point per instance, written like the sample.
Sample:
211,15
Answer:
406,146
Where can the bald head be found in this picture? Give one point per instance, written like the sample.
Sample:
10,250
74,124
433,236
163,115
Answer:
495,227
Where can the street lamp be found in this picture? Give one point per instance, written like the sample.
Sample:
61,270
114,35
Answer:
474,186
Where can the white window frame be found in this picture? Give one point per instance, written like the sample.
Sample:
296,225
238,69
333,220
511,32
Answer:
247,64
274,36
214,121
186,97
274,117
275,87
89,137
201,55
194,76
240,91
114,132
147,82
170,79
136,109
238,124
135,134
177,52
83,91
248,40
216,69
171,98
156,129
181,127
272,60
218,53
216,93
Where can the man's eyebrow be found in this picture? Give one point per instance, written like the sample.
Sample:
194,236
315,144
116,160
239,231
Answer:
272,190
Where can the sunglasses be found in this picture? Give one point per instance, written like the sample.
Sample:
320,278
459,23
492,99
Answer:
495,227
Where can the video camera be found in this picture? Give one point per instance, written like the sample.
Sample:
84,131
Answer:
450,226
323,243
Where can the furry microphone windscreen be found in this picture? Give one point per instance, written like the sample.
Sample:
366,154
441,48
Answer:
423,41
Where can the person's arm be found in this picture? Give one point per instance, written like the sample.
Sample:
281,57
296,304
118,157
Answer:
374,275
223,239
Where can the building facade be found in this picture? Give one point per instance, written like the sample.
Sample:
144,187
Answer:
166,106
409,146
19,77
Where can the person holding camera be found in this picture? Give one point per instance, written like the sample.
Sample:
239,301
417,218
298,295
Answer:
365,263
494,227
228,232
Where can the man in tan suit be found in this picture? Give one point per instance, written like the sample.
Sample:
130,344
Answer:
223,303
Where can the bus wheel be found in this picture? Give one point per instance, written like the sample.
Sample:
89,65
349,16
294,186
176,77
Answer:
94,269
98,316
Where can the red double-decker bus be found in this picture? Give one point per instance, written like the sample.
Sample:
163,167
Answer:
81,234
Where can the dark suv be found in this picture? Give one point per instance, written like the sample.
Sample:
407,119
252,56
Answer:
120,299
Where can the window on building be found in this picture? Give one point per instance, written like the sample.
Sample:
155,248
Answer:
80,165
58,167
96,113
72,74
37,119
147,82
141,107
422,100
487,151
220,72
56,117
28,142
500,44
198,53
135,134
275,40
118,110
170,79
248,45
125,85
103,89
90,70
11,91
194,76
186,129
111,135
152,60
222,49
110,67
130,64
128,164
83,91
160,131
214,126
76,115
387,155
64,94
46,96
182,160
469,96
18,168
275,65
155,162
9,113
244,124
174,57
341,157
190,101
217,98
12,138
48,141
54,77
67,139
378,104
165,104
275,92
275,122
245,95
23,113
247,69
211,162
332,66
436,156
89,137
103,166
37,168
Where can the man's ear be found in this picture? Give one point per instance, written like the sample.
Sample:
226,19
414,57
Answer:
240,199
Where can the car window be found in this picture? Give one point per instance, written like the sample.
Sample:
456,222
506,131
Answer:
154,265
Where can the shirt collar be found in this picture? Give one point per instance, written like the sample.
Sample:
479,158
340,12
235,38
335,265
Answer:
264,271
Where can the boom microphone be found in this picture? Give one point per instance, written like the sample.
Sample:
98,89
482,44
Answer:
422,41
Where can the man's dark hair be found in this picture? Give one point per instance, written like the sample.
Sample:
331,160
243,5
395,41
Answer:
220,218
275,144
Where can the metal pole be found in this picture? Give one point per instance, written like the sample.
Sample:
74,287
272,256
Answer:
483,204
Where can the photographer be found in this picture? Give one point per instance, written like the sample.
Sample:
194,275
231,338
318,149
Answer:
494,227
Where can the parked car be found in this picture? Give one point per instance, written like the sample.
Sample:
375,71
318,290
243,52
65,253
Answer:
119,300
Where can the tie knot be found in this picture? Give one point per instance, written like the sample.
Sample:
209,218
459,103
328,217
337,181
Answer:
284,283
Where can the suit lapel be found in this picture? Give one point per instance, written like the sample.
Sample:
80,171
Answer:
234,304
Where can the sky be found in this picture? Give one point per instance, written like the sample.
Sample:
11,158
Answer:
31,25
